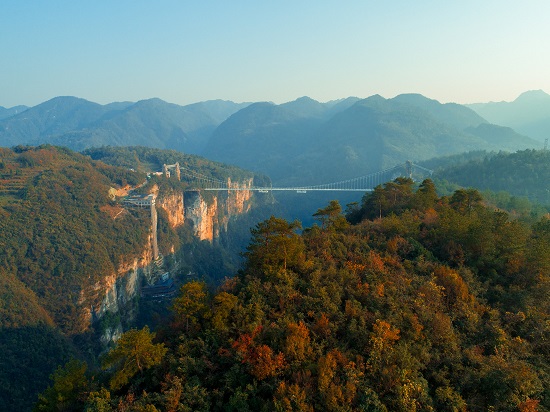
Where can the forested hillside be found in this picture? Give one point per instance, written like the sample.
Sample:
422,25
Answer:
524,173
149,159
298,144
415,303
56,239
56,233
65,244
79,124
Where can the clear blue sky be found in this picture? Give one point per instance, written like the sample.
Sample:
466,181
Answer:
188,51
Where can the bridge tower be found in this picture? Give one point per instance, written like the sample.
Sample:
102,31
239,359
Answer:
409,169
169,170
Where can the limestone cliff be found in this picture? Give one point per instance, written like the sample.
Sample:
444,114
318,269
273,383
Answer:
207,213
202,215
211,215
172,204
115,291
237,202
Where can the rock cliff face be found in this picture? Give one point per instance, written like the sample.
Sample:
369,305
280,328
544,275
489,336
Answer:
208,215
115,292
172,203
202,215
237,202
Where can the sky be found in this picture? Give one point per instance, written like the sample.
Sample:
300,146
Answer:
189,51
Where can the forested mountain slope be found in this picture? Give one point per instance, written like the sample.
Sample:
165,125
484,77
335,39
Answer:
73,257
421,304
56,240
524,173
297,143
79,124
55,231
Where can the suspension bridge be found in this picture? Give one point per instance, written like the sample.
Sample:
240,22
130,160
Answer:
365,183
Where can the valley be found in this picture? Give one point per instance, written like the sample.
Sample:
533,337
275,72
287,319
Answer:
98,242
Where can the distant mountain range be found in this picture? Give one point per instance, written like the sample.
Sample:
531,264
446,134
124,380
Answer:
307,143
12,111
299,142
529,114
80,124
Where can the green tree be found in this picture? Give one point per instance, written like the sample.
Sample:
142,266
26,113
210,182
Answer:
465,200
66,392
426,195
191,306
274,245
223,304
393,197
331,216
135,352
375,204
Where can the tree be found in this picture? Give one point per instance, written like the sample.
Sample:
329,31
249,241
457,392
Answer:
393,197
65,394
399,193
331,216
135,352
224,303
465,200
375,204
274,245
191,305
426,195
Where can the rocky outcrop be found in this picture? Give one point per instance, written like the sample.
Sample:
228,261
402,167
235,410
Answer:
154,228
207,213
237,202
172,204
202,215
211,215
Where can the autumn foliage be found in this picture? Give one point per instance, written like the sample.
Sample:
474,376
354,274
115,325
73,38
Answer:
420,303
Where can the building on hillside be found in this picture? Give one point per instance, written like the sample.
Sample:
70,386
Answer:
164,288
140,200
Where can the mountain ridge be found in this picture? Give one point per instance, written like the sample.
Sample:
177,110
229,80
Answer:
289,143
78,123
529,113
283,140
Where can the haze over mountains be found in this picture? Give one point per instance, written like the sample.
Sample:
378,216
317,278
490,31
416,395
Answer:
12,111
369,135
529,114
299,142
80,124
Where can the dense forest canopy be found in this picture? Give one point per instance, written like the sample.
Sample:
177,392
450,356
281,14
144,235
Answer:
56,235
524,173
415,302
62,235
147,159
57,239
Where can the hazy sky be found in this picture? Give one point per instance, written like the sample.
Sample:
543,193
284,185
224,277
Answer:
188,51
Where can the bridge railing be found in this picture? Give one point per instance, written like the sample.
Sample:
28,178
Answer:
360,184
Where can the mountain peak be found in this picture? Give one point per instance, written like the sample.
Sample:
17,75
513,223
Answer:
305,106
533,96
414,98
